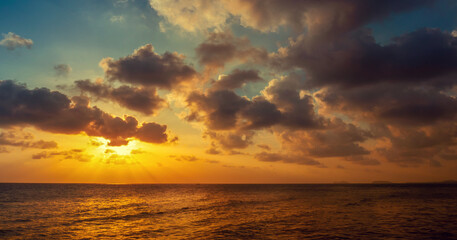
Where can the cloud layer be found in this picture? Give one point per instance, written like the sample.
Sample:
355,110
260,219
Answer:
53,111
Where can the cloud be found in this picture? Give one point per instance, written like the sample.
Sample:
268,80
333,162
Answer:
230,119
192,15
401,91
392,103
52,111
297,110
281,103
236,79
259,114
276,157
220,108
264,147
62,70
77,154
395,98
320,18
187,158
12,41
147,68
117,19
413,123
356,59
153,133
338,139
230,140
140,99
137,151
191,158
20,139
221,48
119,159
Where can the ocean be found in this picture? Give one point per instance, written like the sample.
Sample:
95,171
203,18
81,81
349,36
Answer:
232,211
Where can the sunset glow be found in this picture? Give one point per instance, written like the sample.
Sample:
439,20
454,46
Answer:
229,91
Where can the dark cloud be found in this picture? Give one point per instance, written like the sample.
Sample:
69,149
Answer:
325,18
276,157
416,123
392,103
141,99
237,79
219,107
356,58
331,17
62,70
147,68
153,133
260,114
297,110
12,41
401,90
394,97
281,103
54,112
230,140
231,119
412,146
338,139
225,110
222,47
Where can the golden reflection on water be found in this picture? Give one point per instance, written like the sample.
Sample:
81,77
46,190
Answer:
73,211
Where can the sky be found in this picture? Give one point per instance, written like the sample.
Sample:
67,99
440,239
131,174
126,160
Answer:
230,91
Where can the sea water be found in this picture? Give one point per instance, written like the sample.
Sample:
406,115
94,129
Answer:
238,211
